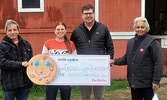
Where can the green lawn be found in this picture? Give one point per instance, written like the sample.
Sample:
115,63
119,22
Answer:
38,91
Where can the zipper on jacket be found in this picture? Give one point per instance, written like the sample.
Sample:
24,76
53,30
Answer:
89,42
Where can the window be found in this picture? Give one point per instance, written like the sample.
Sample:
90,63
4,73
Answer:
156,11
30,5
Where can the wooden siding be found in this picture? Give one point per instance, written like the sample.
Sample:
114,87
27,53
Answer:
68,11
119,72
118,15
164,51
38,27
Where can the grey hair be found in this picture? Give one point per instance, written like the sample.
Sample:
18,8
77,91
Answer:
145,22
10,22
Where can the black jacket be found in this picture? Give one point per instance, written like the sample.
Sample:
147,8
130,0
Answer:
144,60
11,56
99,43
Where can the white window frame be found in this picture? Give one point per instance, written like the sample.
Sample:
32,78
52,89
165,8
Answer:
20,9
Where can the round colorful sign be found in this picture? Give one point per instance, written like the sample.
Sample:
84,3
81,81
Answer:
42,69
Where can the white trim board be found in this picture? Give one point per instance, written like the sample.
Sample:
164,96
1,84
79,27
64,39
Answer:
143,8
97,10
129,35
20,9
122,35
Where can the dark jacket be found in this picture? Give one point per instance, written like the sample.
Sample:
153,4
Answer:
144,60
11,57
99,43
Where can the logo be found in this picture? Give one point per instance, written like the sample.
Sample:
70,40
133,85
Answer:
68,59
141,49
97,33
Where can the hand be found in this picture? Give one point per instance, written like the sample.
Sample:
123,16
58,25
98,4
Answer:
25,64
155,86
111,61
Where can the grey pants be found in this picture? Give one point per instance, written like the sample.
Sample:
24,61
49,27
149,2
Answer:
97,90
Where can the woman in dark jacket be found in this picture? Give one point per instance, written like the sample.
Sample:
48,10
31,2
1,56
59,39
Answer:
144,60
15,52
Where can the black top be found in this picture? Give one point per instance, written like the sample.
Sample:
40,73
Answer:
99,43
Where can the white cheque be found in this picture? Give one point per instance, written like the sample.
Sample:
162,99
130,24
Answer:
82,70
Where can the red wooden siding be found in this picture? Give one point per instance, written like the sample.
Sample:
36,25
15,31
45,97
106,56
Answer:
68,11
38,27
119,72
164,51
118,15
165,61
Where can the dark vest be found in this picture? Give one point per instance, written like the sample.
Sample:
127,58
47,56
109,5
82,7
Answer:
139,61
96,44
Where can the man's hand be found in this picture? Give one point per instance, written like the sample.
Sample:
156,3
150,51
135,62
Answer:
111,61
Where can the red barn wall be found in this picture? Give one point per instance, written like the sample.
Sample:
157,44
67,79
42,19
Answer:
37,27
118,15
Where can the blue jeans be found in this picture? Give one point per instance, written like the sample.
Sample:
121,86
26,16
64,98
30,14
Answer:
51,92
19,94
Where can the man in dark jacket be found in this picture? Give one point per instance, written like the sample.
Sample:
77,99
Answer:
92,38
15,52
144,60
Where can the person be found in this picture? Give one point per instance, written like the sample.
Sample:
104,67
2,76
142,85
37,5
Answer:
92,38
60,45
15,52
144,60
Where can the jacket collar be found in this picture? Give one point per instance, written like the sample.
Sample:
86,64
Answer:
7,39
82,25
140,37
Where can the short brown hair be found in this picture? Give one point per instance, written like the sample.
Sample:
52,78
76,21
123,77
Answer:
87,7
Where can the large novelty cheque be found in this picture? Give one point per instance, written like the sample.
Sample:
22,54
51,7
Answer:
69,70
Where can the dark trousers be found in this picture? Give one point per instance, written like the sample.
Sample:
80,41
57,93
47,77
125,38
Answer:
142,93
51,92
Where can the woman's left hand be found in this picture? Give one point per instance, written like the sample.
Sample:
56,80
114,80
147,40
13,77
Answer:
155,86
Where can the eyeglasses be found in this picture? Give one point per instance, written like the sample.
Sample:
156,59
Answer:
88,13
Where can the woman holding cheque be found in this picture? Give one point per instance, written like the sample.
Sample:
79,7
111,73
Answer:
59,46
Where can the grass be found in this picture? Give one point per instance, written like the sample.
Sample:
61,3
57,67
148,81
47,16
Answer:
39,91
117,85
